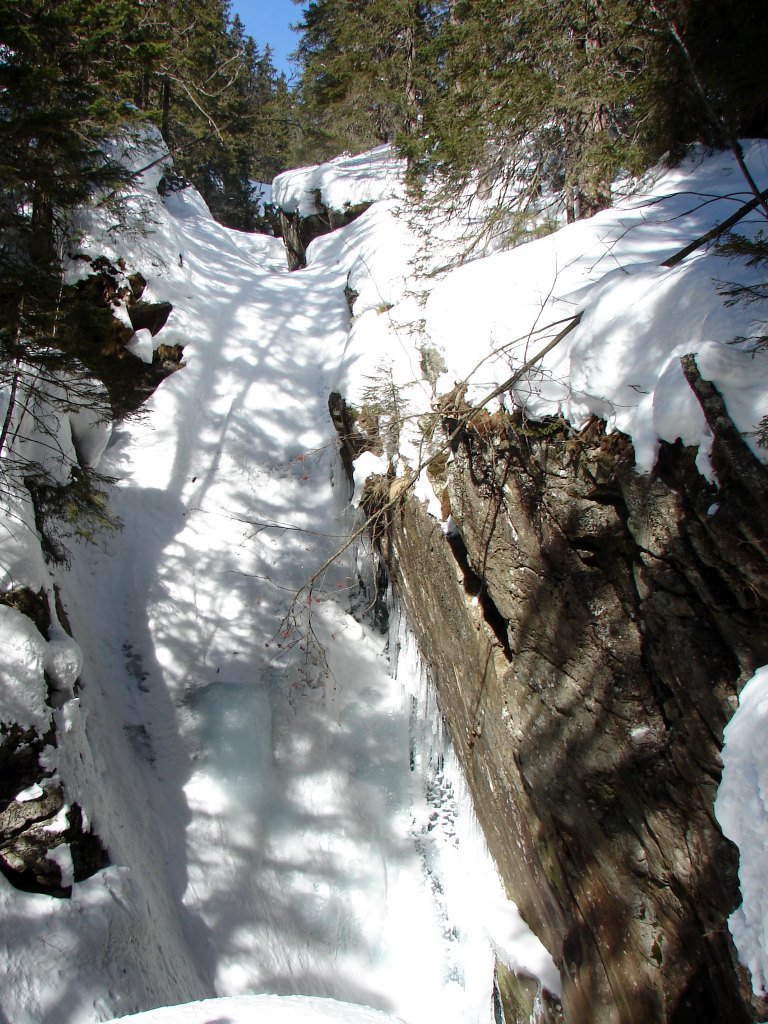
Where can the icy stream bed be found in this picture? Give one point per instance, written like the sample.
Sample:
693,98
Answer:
281,813
281,807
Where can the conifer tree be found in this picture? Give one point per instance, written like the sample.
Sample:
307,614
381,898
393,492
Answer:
65,68
62,79
359,60
568,94
212,92
63,74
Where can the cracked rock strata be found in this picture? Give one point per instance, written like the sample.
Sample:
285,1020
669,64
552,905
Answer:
586,680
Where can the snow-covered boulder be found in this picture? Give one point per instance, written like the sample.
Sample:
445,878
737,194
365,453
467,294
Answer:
341,183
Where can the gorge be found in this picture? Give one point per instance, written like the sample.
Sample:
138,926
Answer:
580,561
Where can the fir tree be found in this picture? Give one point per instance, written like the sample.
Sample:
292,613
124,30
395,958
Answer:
62,77
358,60
568,94
64,70
212,93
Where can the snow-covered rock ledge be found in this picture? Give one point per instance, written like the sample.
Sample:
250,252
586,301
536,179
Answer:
622,461
315,200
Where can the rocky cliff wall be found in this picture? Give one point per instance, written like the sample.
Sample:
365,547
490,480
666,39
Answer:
588,630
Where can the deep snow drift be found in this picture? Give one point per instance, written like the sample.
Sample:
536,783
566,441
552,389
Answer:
239,742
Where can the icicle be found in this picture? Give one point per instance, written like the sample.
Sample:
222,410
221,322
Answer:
479,923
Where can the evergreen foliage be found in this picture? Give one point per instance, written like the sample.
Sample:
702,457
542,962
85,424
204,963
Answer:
62,73
562,96
359,70
217,100
754,253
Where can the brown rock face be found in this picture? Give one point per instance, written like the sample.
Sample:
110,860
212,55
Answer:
298,231
588,630
31,828
150,316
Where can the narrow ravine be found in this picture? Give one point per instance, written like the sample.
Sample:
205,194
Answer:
260,753
254,754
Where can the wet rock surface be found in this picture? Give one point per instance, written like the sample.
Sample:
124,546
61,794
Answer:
588,630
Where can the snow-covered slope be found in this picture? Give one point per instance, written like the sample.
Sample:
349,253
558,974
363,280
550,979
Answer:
488,317
238,742
416,335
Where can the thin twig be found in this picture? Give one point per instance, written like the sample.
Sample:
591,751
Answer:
716,231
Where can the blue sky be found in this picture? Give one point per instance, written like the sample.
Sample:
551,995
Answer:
267,21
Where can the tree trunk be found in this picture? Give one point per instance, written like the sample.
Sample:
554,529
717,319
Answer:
42,247
165,108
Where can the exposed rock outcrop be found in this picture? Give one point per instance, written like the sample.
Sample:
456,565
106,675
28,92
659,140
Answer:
588,630
149,316
106,309
45,843
44,846
298,231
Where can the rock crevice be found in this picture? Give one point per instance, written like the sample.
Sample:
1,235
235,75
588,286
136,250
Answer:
587,697
298,229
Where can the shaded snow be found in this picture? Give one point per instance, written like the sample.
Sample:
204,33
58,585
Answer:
23,692
742,810
267,1009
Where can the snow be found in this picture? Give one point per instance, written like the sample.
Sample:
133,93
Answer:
63,659
742,811
62,857
21,559
23,692
487,317
453,837
365,465
340,183
33,792
238,739
140,345
267,1009
91,426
